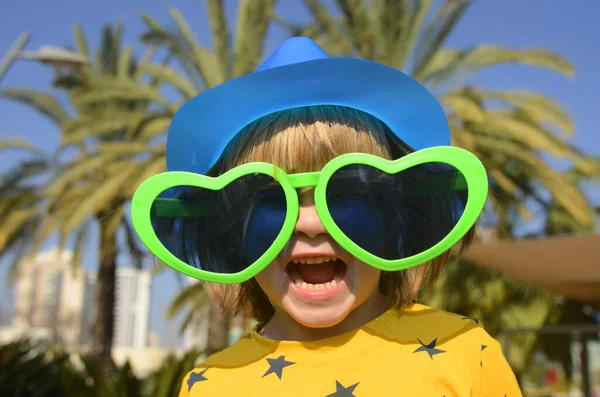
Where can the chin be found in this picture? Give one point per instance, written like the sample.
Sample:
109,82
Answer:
318,315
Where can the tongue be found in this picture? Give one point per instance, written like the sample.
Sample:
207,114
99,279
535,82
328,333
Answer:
318,273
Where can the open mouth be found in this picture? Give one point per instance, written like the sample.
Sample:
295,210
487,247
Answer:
317,272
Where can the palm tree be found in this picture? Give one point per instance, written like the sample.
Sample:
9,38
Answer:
92,183
511,131
203,69
118,128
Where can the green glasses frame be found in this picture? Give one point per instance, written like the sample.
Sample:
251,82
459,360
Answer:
471,175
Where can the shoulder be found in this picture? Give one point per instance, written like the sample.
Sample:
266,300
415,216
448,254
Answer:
245,351
426,324
466,338
421,328
242,356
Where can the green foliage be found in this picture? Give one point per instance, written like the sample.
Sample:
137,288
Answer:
109,100
28,369
190,301
509,130
67,194
40,370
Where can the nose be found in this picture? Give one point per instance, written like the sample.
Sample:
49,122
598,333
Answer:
308,222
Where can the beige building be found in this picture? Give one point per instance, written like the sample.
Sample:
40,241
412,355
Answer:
54,295
132,307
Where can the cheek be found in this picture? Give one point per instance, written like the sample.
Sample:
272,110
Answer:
272,281
364,278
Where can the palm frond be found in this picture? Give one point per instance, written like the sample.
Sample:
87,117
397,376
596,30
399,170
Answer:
20,175
125,63
539,108
253,21
80,41
504,125
15,221
406,44
76,171
118,149
193,295
464,106
19,144
166,74
149,126
126,91
356,20
333,38
146,170
41,102
561,189
81,131
220,34
437,31
480,57
98,197
203,60
391,19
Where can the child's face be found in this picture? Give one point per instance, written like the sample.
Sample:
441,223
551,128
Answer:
314,280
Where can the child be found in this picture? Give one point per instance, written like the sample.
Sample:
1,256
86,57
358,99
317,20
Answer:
317,195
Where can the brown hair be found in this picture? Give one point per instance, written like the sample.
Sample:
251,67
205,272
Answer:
304,140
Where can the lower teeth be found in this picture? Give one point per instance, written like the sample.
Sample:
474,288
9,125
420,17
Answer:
320,286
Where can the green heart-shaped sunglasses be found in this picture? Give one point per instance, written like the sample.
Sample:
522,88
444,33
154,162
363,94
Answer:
389,214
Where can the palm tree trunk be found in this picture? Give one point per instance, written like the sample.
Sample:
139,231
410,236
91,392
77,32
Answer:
219,322
105,297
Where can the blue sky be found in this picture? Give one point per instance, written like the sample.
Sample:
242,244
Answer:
568,28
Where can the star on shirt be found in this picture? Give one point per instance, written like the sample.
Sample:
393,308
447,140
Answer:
430,348
196,377
341,391
276,366
483,347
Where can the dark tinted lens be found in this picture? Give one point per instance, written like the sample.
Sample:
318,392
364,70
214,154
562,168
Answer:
397,216
222,231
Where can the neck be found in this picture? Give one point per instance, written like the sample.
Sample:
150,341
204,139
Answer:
283,327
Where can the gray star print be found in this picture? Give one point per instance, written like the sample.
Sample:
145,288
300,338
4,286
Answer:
483,347
341,391
196,377
430,348
276,366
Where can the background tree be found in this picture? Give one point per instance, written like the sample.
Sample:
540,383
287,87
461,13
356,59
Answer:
88,180
192,69
118,133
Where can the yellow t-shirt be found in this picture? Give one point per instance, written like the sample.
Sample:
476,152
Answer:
417,352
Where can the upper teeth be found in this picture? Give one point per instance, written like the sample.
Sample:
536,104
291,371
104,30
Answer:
314,259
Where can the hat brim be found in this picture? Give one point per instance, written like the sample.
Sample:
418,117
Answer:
202,127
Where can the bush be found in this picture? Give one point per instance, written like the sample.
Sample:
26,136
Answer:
38,369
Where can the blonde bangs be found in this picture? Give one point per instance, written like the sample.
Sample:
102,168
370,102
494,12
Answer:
305,139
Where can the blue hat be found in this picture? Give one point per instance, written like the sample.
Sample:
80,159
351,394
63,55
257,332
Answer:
299,73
